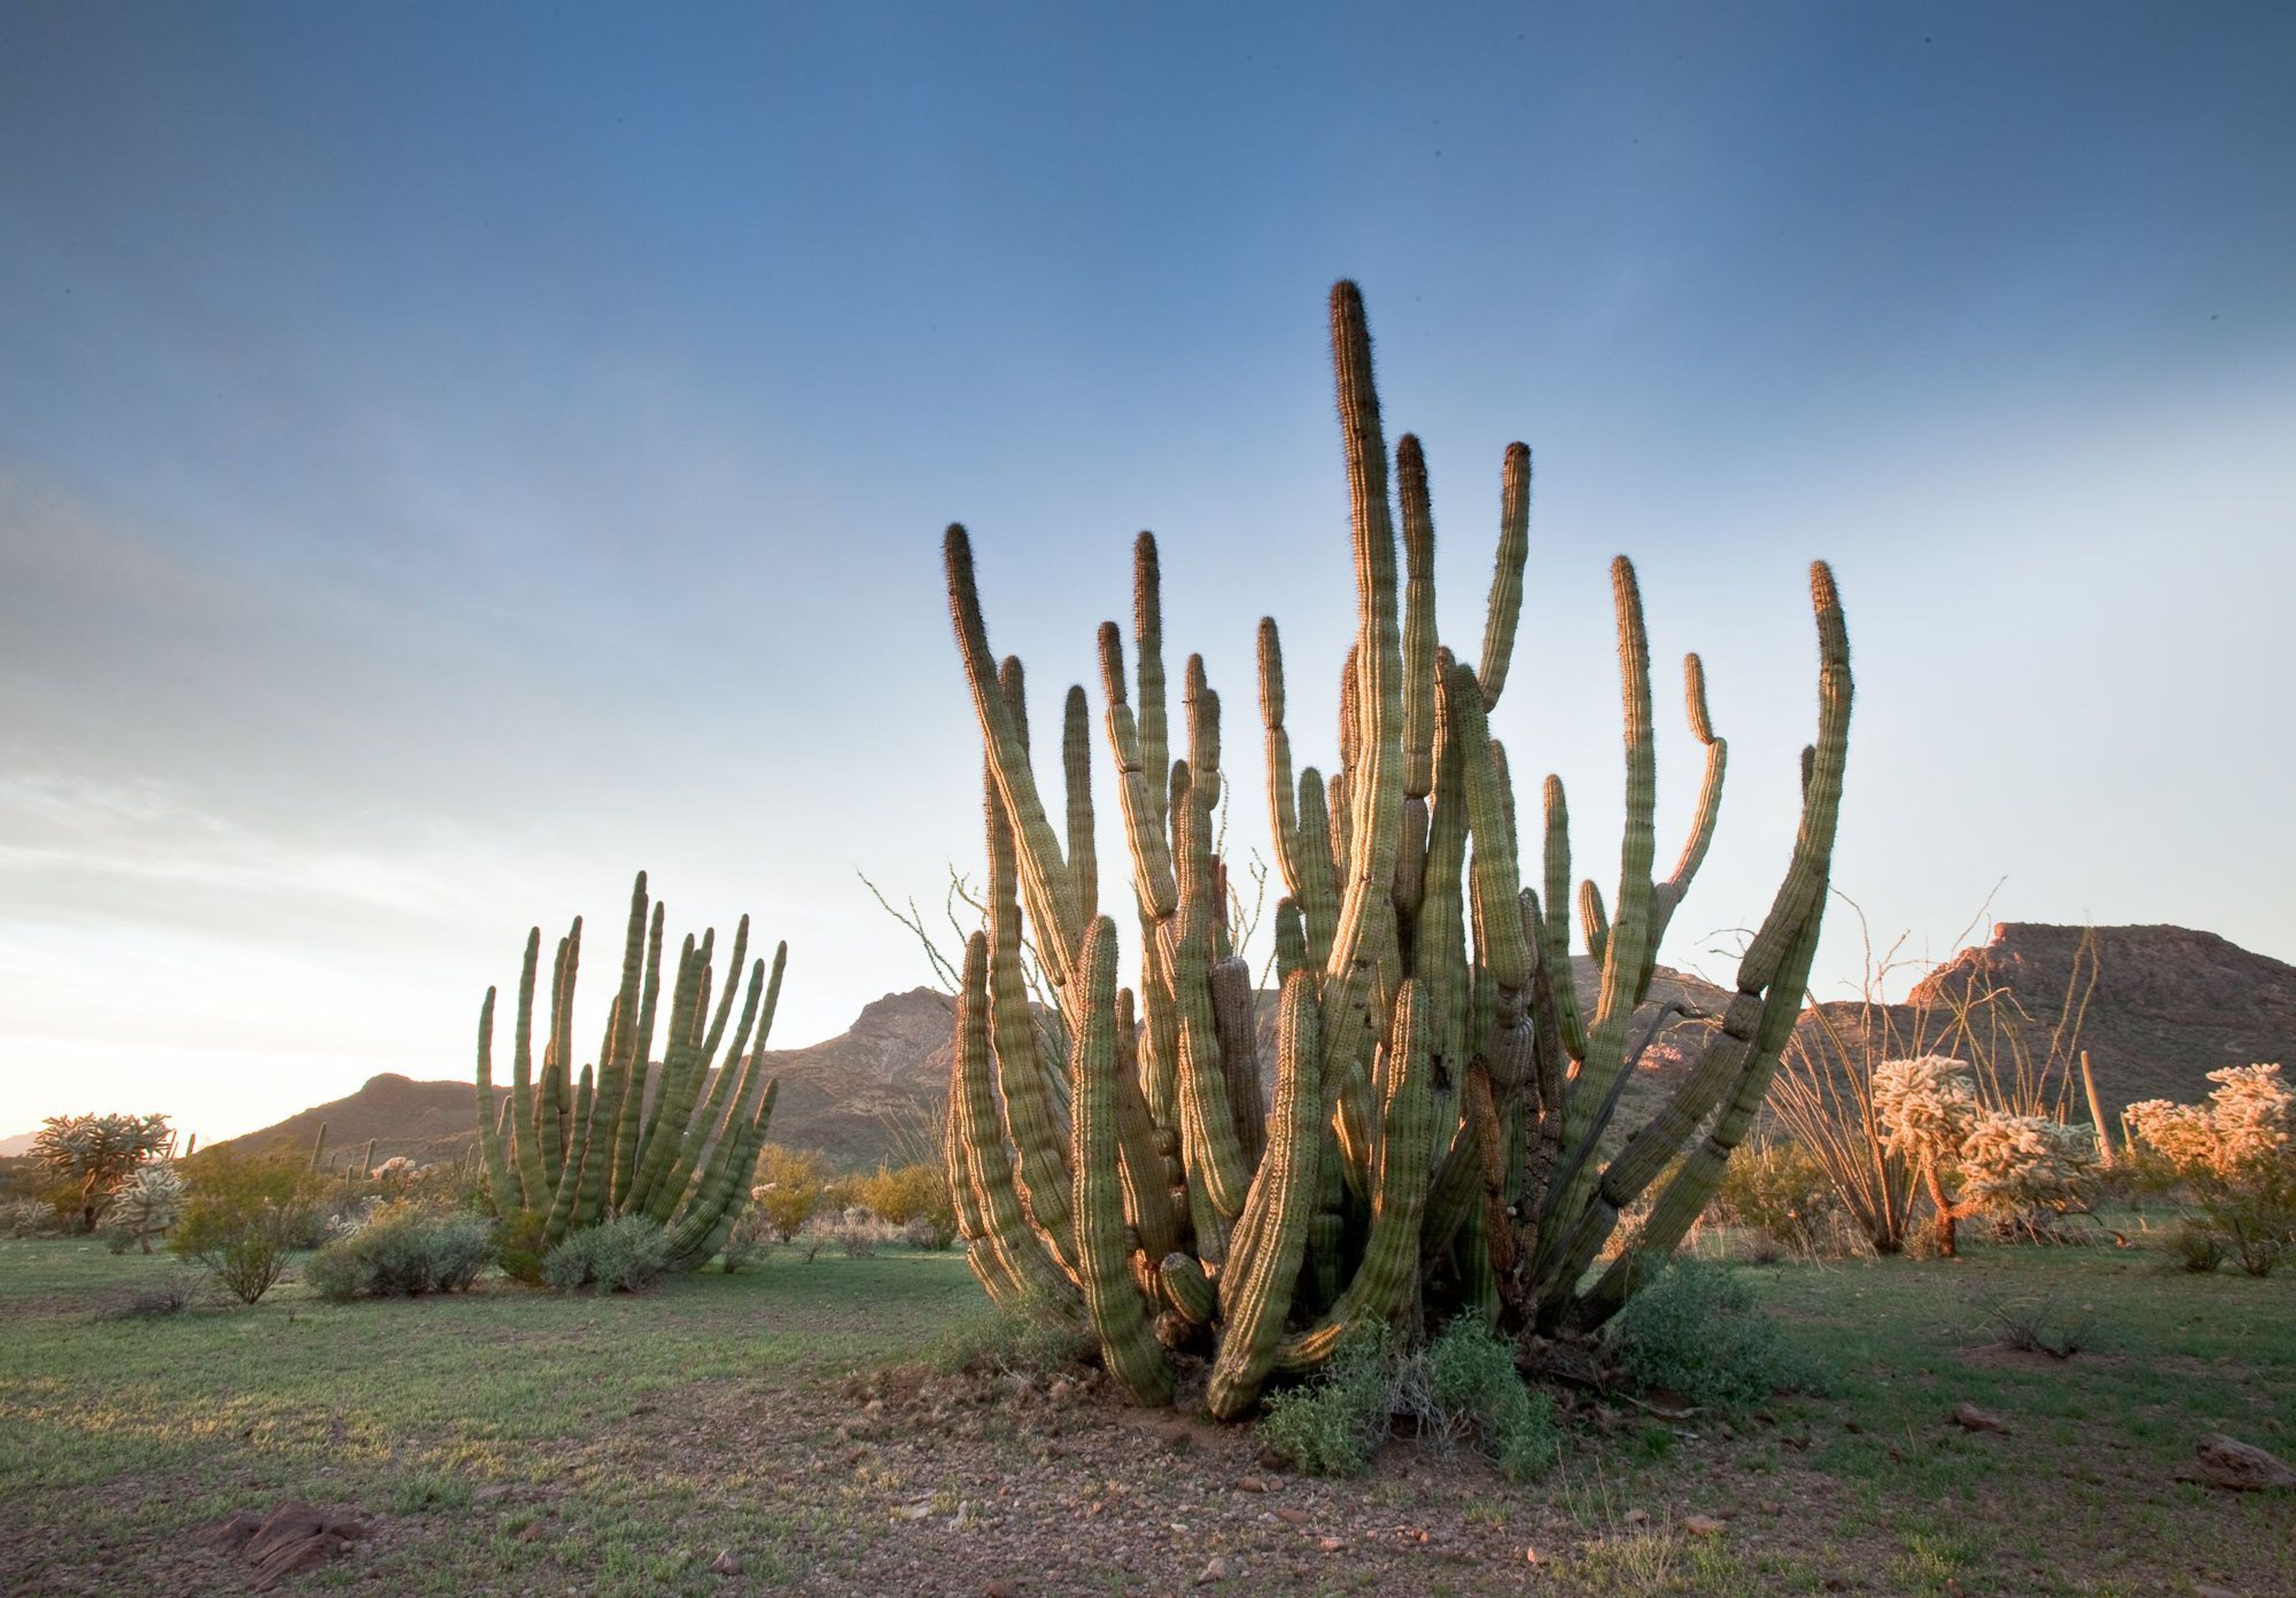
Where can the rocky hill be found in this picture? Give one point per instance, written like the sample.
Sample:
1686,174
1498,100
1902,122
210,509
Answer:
2166,1007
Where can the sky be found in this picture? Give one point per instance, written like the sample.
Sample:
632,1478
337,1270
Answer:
453,458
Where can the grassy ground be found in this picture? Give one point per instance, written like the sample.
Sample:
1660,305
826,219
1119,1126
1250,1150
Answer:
507,1442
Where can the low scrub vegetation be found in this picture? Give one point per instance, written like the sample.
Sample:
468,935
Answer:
1697,1335
400,1251
628,1255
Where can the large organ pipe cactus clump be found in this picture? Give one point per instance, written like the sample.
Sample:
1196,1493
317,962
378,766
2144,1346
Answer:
633,1137
1439,1095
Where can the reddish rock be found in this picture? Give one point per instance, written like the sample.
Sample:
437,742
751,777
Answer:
2223,1461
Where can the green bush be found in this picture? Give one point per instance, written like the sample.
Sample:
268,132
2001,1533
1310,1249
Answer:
1779,1190
1696,1332
1038,1339
1475,1390
626,1254
243,1216
402,1251
29,1217
1332,1424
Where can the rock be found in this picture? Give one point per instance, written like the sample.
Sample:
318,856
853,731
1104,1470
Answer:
1773,1506
1637,1516
1220,1569
1250,1484
727,1564
1531,1556
1331,1544
2201,1589
229,1536
1001,1589
493,1493
1292,1517
1970,1418
1702,1526
293,1521
286,1558
2223,1461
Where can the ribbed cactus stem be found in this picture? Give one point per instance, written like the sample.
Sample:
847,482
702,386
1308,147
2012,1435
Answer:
1076,769
1594,923
1257,1287
498,1175
1112,1301
1505,607
1418,621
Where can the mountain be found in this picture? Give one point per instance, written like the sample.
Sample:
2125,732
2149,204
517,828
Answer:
21,1143
864,1095
2166,1006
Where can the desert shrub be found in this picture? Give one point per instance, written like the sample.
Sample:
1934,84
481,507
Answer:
1781,1193
795,1183
402,1251
1332,1424
29,1217
176,1291
1034,1339
2234,1158
2196,1245
913,1198
628,1254
854,1241
241,1216
1474,1389
751,1238
1696,1332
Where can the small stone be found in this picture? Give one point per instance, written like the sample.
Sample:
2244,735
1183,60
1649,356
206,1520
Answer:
1250,1484
1331,1544
532,1532
1772,1506
1531,1556
1970,1418
2201,1589
1001,1589
1292,1517
1702,1526
727,1564
1218,1570
493,1493
1637,1516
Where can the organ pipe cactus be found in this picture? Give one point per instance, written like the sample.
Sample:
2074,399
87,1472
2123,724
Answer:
1434,1145
633,1137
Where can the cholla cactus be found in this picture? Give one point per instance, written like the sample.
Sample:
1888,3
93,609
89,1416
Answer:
147,1205
2024,1167
2015,1167
2235,1155
1927,1106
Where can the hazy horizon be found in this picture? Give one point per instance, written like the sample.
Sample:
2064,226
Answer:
450,461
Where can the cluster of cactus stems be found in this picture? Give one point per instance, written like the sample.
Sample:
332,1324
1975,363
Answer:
1439,1092
634,1138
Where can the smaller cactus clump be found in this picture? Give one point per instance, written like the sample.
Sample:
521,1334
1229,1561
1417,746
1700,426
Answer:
2234,1157
631,1137
147,1205
2023,1170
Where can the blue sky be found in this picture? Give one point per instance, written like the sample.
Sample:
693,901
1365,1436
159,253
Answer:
450,459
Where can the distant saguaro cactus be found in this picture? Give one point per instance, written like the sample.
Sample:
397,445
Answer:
1438,1093
633,1139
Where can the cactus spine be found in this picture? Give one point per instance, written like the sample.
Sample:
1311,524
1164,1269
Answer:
1439,1098
627,1139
